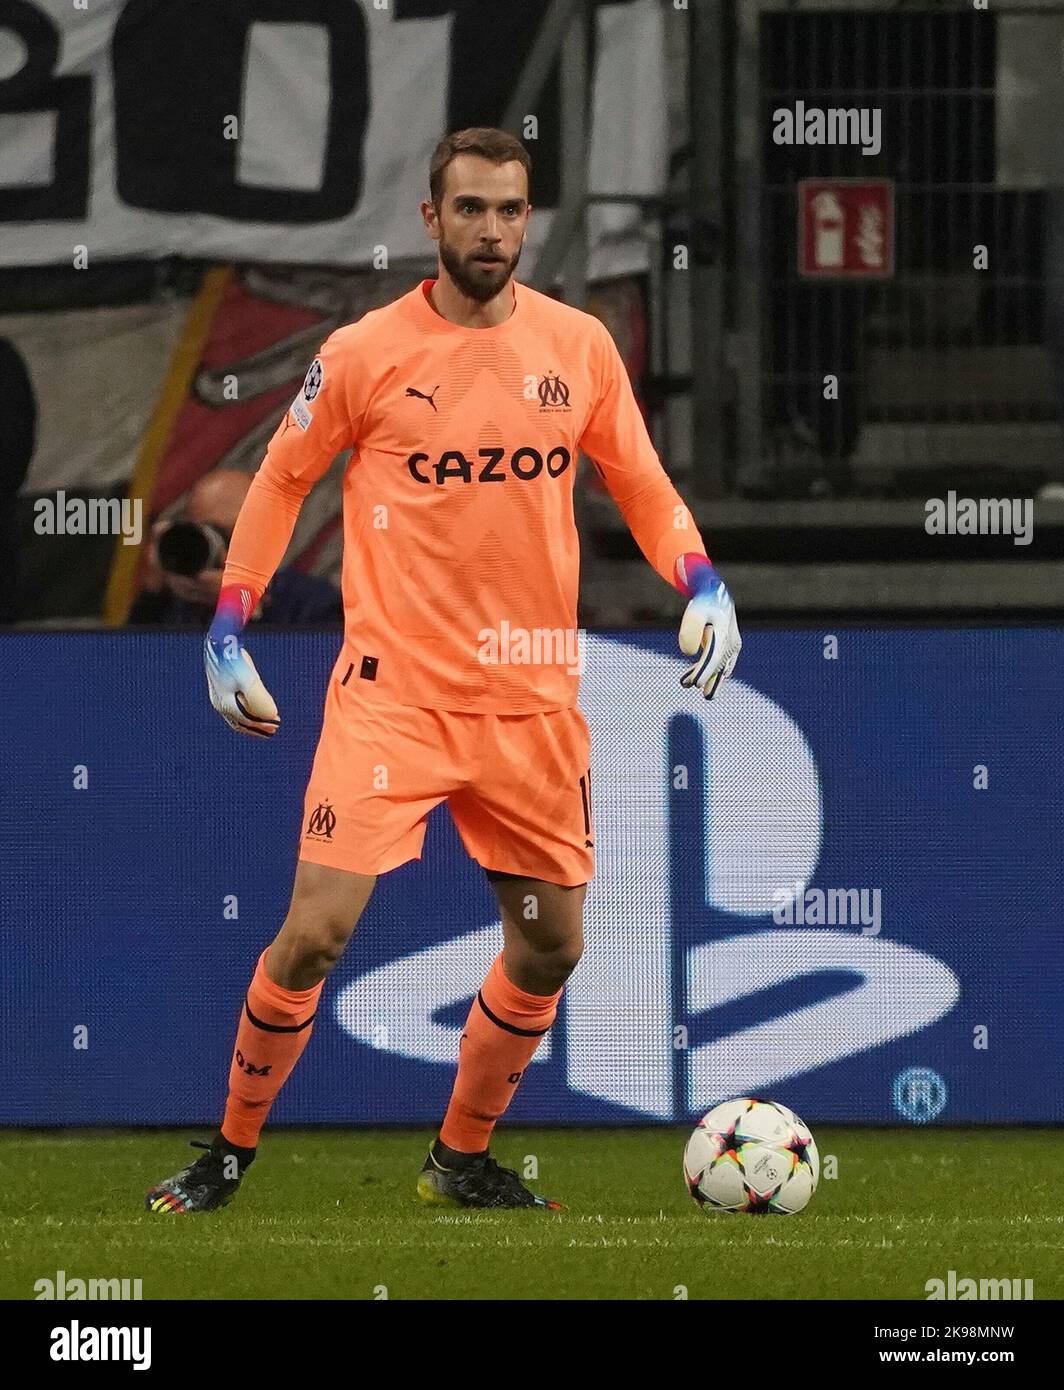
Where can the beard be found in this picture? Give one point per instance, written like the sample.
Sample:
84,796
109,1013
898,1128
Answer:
476,282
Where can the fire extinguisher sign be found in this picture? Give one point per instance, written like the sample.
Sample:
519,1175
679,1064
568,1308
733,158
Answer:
846,228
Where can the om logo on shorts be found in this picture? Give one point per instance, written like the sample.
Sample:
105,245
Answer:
322,823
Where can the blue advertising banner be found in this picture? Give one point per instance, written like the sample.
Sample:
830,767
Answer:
837,888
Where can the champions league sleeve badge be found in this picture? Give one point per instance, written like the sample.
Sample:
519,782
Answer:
312,384
300,411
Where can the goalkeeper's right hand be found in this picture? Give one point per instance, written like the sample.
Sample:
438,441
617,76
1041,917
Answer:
235,687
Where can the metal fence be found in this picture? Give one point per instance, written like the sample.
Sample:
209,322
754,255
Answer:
938,346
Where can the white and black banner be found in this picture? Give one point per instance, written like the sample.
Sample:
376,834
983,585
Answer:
293,131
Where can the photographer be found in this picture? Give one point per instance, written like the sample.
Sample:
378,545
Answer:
183,574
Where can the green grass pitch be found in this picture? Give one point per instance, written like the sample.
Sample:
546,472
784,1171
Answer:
333,1214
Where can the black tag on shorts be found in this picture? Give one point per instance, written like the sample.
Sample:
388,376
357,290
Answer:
369,668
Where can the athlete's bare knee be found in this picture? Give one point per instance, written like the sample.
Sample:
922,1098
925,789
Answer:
542,970
303,954
564,959
323,915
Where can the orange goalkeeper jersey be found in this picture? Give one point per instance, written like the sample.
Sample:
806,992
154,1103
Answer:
461,555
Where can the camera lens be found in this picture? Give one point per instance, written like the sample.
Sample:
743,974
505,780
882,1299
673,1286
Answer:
186,548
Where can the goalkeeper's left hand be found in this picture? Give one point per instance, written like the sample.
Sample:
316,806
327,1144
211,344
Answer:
708,630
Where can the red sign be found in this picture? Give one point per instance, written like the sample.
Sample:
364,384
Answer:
846,228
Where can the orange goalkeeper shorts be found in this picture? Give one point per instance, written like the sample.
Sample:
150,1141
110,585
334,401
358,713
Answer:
518,787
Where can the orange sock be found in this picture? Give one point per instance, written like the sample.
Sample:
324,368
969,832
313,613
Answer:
275,1026
502,1032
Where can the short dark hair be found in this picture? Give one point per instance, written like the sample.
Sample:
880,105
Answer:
486,141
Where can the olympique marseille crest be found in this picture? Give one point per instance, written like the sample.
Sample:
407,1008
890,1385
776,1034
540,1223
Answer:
322,823
553,393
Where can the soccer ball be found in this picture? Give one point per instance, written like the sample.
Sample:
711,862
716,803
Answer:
751,1155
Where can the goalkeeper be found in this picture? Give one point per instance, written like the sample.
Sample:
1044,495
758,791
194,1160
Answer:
466,403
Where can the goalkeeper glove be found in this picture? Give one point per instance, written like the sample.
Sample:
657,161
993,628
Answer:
708,631
236,689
